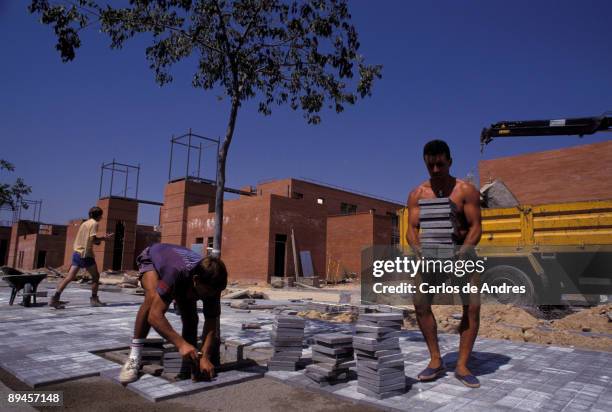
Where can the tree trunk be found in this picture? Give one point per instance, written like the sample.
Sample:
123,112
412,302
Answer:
222,156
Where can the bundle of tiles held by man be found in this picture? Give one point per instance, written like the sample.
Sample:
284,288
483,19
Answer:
380,363
332,356
287,338
438,223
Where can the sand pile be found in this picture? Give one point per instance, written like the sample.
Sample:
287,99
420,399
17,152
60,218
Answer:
590,328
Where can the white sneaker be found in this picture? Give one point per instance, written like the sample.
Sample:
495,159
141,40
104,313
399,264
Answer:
129,371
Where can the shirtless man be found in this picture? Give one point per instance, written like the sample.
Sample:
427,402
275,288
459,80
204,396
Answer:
436,155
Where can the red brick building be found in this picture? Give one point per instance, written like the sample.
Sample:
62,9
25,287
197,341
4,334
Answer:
35,245
332,224
5,240
564,175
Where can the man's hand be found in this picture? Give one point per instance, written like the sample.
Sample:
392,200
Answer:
207,369
108,236
188,352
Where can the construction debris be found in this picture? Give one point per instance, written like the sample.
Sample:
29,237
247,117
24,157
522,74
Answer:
243,294
496,194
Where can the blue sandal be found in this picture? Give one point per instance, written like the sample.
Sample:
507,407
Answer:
429,374
468,380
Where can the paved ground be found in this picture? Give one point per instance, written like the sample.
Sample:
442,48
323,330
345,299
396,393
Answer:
42,346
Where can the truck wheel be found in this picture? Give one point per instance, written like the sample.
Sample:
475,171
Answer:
511,276
27,295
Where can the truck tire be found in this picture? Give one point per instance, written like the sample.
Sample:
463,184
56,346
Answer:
511,276
27,295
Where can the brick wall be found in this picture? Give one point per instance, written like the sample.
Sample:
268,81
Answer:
309,223
117,210
18,231
251,224
146,235
332,197
178,197
564,175
54,245
246,225
5,241
346,238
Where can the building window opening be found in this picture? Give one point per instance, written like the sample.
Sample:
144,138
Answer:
348,209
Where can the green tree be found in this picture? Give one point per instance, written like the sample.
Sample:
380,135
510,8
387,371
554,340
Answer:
300,53
11,195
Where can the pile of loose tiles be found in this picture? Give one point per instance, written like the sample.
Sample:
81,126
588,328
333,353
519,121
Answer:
332,356
438,222
287,337
380,364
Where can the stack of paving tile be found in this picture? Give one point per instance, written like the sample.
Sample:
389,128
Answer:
287,336
152,351
438,222
172,362
380,363
332,356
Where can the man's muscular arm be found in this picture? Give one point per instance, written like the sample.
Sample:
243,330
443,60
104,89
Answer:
471,210
412,234
157,319
209,334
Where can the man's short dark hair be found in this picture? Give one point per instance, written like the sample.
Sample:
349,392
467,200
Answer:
213,273
436,147
95,212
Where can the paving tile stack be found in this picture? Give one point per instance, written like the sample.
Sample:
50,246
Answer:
152,351
438,222
380,363
172,362
287,337
332,356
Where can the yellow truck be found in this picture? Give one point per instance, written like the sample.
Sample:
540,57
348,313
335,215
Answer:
551,249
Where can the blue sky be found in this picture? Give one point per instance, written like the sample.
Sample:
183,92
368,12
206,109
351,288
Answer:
450,69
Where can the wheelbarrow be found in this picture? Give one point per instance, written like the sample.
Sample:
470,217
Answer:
27,281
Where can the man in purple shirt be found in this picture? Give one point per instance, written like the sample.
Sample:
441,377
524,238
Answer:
170,272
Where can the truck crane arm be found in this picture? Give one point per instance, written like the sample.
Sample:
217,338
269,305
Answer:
577,126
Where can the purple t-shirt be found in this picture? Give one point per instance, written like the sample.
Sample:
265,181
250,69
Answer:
174,265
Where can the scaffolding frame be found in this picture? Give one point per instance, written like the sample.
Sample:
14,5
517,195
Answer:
189,137
189,144
20,206
116,167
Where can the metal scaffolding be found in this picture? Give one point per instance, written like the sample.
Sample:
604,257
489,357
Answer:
196,142
125,169
187,140
17,213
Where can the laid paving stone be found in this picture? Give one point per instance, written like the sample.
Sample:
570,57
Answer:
56,345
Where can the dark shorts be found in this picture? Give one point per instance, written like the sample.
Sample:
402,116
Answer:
144,262
82,262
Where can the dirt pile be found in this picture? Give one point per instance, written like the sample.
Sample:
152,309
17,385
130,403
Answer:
342,317
590,328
